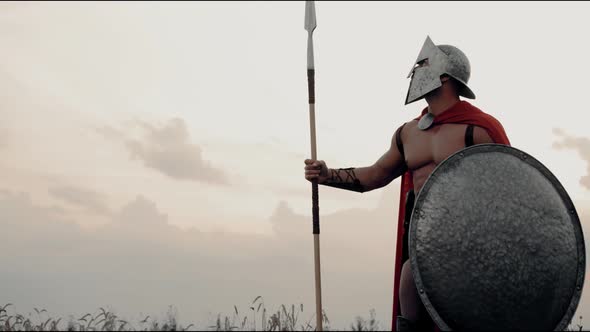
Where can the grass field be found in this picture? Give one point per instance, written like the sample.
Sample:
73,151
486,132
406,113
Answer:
255,318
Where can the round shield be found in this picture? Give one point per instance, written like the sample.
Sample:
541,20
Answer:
496,243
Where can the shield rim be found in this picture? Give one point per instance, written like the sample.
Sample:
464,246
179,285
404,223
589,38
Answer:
575,220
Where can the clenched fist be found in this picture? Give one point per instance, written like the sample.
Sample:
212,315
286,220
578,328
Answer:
316,170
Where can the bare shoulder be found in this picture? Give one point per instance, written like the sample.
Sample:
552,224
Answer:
392,162
403,132
409,127
481,136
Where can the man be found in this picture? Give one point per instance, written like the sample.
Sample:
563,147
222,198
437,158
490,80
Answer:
447,125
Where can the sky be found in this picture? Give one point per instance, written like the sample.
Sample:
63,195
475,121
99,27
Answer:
152,153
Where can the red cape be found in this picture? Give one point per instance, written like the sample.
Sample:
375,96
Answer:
460,113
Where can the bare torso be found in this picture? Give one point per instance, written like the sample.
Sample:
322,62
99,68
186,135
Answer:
425,149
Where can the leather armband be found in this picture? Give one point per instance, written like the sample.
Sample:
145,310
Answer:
344,178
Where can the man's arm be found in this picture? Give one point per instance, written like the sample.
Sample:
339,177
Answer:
481,136
359,179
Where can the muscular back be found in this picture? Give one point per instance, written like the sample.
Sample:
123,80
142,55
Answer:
423,150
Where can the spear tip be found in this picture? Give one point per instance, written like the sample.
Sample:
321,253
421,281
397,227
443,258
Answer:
310,22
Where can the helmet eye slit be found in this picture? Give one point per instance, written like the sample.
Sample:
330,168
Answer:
422,63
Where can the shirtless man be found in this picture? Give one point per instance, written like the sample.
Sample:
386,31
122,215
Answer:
447,125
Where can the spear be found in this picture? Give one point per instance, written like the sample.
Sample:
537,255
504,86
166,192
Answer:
310,25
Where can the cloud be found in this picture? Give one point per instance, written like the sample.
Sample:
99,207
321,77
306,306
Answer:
140,262
110,133
581,145
90,201
141,212
27,226
168,150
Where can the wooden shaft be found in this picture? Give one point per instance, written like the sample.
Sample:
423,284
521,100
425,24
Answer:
315,203
312,131
314,184
316,226
318,282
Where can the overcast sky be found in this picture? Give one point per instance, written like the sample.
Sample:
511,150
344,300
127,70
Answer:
152,153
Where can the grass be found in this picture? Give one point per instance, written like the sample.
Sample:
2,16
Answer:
578,326
103,320
256,318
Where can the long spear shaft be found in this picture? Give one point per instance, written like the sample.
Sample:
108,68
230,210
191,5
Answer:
310,25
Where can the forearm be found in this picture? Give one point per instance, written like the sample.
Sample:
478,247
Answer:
359,179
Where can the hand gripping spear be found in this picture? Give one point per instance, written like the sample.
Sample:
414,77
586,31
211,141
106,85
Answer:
310,25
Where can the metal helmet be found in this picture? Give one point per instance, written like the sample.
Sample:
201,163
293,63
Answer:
441,60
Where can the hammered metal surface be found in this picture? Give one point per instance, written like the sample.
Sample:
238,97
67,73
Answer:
496,244
442,59
426,121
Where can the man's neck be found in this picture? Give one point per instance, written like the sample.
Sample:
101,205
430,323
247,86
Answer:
436,106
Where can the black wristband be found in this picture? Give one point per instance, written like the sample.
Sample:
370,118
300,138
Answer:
349,182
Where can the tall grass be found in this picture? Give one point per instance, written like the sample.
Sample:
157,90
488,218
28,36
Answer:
102,320
255,318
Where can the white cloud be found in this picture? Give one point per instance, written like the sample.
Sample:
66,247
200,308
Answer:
168,150
578,144
89,200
